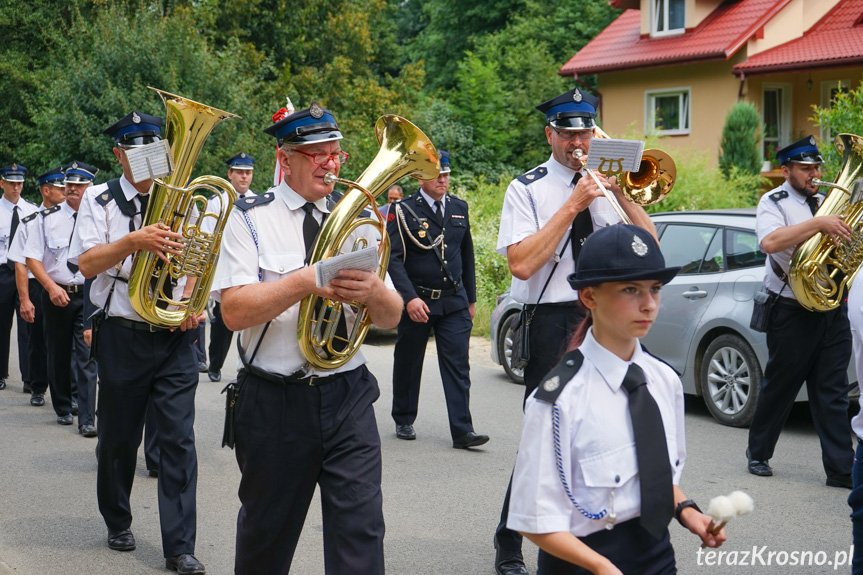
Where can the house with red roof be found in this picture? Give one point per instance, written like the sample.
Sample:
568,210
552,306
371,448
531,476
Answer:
675,67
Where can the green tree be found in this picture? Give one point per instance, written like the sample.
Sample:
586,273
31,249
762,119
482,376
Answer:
741,136
843,115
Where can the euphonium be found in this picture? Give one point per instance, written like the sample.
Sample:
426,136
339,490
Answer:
821,272
405,151
649,185
187,125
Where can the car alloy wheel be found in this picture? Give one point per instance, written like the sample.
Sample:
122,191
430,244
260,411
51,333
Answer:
504,349
730,380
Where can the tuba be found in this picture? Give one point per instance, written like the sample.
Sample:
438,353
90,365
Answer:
649,185
151,281
820,271
405,151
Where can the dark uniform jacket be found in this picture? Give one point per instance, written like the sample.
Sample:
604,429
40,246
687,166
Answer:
411,266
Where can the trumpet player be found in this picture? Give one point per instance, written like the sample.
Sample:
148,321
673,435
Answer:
137,362
802,345
547,214
297,427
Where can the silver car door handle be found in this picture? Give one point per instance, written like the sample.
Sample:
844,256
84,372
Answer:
694,292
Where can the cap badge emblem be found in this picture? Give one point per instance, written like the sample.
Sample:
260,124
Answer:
639,248
14,167
551,384
136,118
243,155
811,140
576,96
74,165
315,111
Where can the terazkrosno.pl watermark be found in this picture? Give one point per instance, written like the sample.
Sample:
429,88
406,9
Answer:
764,556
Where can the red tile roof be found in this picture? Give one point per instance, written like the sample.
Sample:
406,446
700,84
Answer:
835,40
621,47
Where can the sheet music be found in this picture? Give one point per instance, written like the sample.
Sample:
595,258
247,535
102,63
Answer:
615,156
150,161
365,259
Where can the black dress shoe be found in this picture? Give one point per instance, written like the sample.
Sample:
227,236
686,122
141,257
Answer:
87,430
37,399
27,388
202,367
509,563
756,467
185,565
840,481
405,432
74,408
66,419
121,540
2,384
215,375
471,439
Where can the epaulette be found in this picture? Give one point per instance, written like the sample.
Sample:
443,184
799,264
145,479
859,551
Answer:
458,199
51,210
533,176
104,198
780,195
249,203
557,378
30,218
333,198
31,203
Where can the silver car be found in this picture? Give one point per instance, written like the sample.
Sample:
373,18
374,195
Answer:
702,330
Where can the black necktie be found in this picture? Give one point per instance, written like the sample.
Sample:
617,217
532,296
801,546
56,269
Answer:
310,228
813,204
438,206
582,226
72,267
9,263
651,450
144,199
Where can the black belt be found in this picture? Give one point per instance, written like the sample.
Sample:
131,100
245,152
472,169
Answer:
573,303
134,325
436,293
296,378
73,289
790,302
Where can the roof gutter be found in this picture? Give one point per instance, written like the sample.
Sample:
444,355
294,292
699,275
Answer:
799,66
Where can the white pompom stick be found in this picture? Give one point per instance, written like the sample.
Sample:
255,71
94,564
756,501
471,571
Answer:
721,509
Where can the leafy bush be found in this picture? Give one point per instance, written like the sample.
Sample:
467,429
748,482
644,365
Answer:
741,136
844,115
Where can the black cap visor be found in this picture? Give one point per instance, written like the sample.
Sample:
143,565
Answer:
566,121
138,140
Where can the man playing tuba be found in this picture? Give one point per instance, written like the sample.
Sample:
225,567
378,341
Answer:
299,427
137,361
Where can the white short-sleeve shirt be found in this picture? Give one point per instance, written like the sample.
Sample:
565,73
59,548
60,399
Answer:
275,250
48,241
100,224
16,250
597,446
25,208
517,222
781,207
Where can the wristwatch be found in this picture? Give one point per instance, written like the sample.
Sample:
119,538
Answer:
683,505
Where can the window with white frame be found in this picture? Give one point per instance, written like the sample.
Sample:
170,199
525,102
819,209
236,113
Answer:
668,111
776,113
669,17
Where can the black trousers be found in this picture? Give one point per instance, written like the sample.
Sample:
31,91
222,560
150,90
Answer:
452,338
135,366
37,352
220,340
814,347
628,546
550,331
291,438
63,327
8,307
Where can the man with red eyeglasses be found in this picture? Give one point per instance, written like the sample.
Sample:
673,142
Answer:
298,427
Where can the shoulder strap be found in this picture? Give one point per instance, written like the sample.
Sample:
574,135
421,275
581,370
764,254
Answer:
127,207
557,378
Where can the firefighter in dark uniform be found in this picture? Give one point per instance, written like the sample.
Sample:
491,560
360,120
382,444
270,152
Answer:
139,364
13,209
432,266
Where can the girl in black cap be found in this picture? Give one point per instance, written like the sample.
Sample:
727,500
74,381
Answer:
602,450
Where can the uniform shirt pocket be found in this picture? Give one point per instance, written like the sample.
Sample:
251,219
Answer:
603,472
277,265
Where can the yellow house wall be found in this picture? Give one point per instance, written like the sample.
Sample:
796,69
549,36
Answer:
790,23
713,89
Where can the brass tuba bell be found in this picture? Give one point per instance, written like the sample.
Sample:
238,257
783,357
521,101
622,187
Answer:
405,151
151,281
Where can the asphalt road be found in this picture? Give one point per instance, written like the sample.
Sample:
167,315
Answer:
441,505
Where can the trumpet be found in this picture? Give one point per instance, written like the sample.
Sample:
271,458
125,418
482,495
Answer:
649,185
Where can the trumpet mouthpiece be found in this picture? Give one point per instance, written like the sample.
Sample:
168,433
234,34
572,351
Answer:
330,178
577,153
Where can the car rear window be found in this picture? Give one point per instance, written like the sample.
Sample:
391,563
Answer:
686,246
